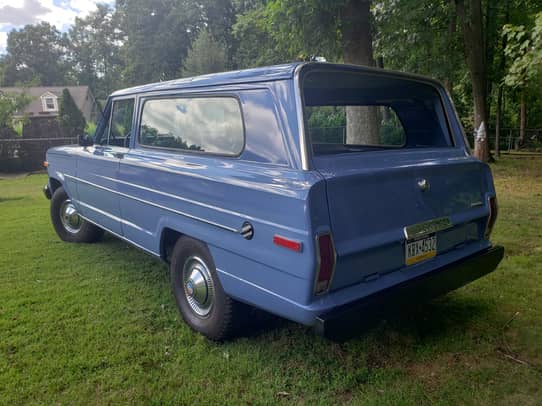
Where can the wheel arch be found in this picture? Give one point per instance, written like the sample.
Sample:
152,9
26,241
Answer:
168,239
54,184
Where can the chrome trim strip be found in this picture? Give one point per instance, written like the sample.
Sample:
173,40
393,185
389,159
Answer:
113,217
148,251
218,225
427,227
207,206
300,119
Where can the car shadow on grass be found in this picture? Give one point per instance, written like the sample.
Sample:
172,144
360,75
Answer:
450,314
10,199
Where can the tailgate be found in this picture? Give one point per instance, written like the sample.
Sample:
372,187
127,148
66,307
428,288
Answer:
374,196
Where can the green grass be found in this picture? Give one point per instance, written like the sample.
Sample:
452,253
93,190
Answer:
98,324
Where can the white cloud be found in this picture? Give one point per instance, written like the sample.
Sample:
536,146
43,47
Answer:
60,13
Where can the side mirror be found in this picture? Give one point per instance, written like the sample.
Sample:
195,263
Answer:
86,140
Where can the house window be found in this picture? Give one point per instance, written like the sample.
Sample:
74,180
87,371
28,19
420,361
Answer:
49,102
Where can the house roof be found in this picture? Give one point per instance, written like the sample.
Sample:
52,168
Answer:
80,95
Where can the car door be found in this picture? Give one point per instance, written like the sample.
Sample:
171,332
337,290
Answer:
98,167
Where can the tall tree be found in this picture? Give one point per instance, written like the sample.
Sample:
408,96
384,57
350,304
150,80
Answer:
157,37
70,117
339,30
37,54
524,48
94,46
205,56
472,24
256,45
11,105
427,32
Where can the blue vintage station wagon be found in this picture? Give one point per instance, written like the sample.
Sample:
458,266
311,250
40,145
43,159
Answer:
327,194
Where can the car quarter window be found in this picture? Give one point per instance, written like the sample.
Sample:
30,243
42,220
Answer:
204,124
118,130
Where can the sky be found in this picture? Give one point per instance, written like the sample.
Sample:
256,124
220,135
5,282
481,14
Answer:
60,13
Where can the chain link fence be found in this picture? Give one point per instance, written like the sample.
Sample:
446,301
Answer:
510,140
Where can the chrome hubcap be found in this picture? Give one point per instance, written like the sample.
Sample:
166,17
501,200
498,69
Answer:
70,217
198,286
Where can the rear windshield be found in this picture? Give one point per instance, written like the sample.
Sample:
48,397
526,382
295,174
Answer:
351,112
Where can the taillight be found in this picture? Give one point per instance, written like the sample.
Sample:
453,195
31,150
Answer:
325,257
492,218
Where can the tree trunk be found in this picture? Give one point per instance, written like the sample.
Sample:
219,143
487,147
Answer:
361,122
522,120
452,25
498,121
473,38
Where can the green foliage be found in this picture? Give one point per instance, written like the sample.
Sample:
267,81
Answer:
90,128
257,47
205,56
12,104
427,33
94,48
525,51
157,36
138,41
326,116
70,117
36,54
303,28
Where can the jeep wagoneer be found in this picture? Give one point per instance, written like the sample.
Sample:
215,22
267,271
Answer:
323,193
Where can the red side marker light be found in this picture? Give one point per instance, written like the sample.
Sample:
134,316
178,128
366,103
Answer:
287,243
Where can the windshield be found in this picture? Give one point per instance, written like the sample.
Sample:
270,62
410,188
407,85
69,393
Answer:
352,112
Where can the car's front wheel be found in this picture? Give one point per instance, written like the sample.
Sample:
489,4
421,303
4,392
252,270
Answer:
200,297
68,224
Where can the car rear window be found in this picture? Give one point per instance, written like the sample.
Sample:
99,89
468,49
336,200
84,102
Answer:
351,112
198,124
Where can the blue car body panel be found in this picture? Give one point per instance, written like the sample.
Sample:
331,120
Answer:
364,200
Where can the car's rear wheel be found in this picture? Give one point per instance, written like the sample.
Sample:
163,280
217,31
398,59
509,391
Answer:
202,302
68,224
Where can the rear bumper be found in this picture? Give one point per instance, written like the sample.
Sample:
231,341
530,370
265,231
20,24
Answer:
343,322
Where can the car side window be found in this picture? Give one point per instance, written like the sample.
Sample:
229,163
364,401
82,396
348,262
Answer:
199,124
118,131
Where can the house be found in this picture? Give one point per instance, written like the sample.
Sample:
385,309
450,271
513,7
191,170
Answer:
46,100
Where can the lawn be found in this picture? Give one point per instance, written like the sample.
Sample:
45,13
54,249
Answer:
98,324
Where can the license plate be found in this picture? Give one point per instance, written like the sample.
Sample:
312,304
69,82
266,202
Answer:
420,249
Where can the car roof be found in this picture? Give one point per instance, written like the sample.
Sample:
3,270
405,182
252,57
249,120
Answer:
263,74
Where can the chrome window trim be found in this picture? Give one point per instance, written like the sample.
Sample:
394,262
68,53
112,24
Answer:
300,118
110,118
366,70
199,95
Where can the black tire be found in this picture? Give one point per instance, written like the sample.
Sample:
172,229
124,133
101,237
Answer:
83,232
224,316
